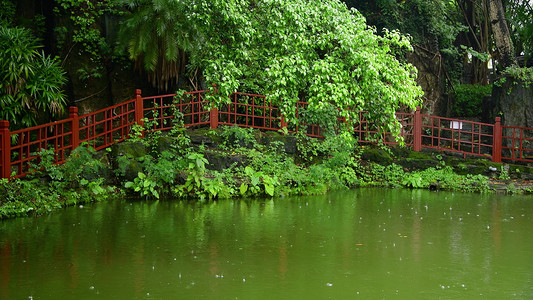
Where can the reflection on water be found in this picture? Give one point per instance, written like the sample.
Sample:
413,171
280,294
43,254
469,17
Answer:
367,243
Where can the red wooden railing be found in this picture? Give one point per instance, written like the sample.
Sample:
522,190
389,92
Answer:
105,127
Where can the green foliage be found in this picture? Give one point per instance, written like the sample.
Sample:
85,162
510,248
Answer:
504,173
325,116
84,32
237,137
469,99
155,33
432,24
197,184
255,179
30,81
310,148
145,186
392,174
445,178
318,50
51,186
524,75
519,17
8,10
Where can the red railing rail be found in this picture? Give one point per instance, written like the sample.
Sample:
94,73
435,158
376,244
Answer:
461,136
100,129
517,143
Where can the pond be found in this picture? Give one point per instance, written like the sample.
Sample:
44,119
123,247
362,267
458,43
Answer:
364,243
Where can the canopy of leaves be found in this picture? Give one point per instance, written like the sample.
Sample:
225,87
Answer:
156,35
290,50
519,15
29,80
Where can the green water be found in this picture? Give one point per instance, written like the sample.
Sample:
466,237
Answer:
364,244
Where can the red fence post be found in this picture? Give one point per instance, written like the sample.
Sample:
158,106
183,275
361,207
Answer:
75,127
5,143
213,117
283,123
497,141
213,113
139,109
417,130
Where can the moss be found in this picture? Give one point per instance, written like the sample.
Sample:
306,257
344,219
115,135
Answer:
379,156
208,137
127,148
419,155
221,160
411,164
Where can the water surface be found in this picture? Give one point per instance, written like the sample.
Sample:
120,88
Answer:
365,243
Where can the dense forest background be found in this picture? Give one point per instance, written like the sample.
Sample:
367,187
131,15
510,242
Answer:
472,56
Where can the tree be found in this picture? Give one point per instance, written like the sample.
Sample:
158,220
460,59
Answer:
519,14
30,82
156,35
295,49
501,34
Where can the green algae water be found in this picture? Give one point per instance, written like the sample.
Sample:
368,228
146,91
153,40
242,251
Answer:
360,244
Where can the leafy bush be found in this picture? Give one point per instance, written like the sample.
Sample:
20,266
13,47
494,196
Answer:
237,137
51,186
469,98
31,81
445,178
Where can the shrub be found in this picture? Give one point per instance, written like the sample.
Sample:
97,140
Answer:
468,99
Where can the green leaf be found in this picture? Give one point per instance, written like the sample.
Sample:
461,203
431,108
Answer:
269,189
255,180
243,188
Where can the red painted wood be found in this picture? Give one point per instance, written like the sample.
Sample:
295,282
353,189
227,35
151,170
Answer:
5,143
497,141
105,127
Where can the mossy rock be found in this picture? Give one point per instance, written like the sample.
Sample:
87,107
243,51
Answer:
289,141
131,170
164,143
203,136
419,155
379,156
128,148
222,160
130,151
411,164
401,151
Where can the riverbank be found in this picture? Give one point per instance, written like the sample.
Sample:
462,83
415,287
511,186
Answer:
234,162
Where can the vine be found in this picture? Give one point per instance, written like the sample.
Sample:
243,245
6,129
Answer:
86,34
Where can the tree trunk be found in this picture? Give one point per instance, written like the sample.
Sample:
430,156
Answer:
500,32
